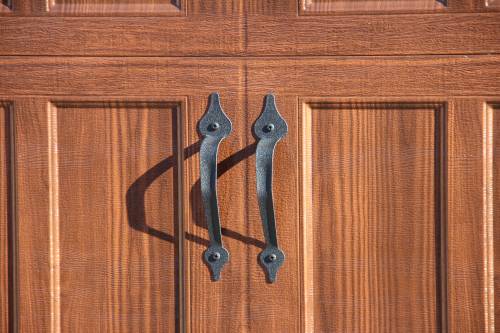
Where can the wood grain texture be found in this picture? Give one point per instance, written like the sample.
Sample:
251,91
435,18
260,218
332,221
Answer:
101,224
116,8
241,301
103,149
255,35
6,218
373,34
339,6
352,76
360,7
466,261
493,108
118,76
156,7
376,76
147,36
468,211
372,220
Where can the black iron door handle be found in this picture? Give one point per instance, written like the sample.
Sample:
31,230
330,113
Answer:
269,128
214,126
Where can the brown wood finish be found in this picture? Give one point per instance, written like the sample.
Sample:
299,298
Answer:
384,186
461,268
494,132
469,220
108,236
6,216
441,286
372,215
345,76
105,7
258,36
335,6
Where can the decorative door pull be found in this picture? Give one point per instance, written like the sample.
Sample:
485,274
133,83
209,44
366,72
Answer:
214,126
269,128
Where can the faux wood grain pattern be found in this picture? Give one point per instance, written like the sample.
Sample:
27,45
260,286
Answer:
373,215
155,7
131,36
373,34
333,6
469,216
105,240
354,76
137,8
493,109
6,218
117,76
375,76
361,7
241,301
255,35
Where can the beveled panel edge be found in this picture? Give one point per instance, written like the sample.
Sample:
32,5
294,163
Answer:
491,109
7,107
5,6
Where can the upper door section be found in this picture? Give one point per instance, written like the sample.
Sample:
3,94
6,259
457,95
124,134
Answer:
248,27
121,27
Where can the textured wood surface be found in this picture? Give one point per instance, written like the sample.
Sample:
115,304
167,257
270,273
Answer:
493,109
373,215
256,35
5,216
469,217
105,238
384,186
436,265
372,76
349,76
340,6
242,301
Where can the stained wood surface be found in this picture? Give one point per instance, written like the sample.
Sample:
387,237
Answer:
5,217
493,109
384,186
346,76
372,216
469,217
105,237
256,35
242,301
336,6
440,262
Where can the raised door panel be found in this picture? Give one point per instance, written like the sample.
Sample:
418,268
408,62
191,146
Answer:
122,27
98,217
371,184
113,7
340,6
